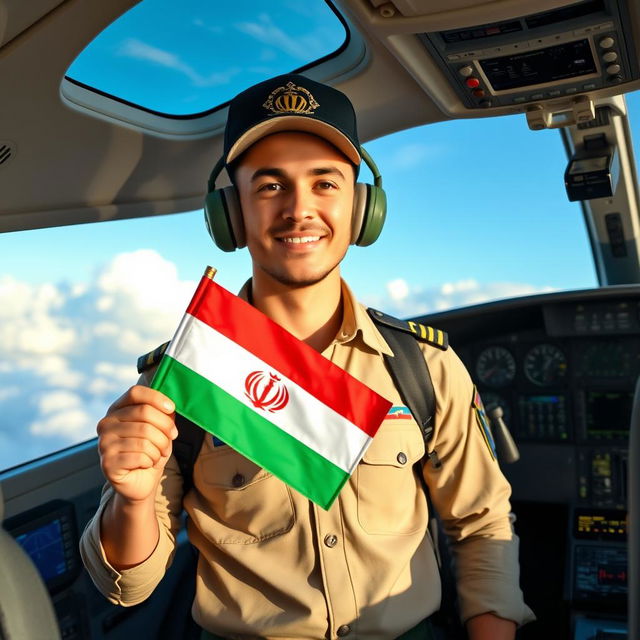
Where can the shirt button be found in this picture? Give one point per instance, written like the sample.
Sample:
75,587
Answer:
237,480
402,458
344,630
331,541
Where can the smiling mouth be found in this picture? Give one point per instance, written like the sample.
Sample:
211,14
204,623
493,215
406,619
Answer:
297,240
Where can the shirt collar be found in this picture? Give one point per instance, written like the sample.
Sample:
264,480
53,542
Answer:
355,321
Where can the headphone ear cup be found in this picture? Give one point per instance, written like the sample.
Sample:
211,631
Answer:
223,219
360,197
369,213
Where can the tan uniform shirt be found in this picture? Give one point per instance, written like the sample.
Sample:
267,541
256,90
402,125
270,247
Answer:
274,565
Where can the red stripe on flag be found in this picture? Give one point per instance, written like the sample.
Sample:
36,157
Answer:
239,321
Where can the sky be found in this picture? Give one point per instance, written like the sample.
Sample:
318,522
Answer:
477,211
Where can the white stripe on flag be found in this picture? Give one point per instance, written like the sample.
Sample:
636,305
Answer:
227,364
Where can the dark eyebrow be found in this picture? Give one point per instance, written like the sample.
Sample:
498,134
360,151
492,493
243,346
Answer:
323,171
268,171
279,173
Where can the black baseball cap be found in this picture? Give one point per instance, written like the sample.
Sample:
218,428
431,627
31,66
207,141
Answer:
291,102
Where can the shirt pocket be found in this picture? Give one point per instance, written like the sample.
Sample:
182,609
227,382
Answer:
387,485
247,503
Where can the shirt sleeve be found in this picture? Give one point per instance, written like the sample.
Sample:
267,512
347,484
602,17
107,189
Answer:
128,587
471,496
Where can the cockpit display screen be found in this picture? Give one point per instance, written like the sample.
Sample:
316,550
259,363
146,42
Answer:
45,547
559,62
48,534
600,524
608,414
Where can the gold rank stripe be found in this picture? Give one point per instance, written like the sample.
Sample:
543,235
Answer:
427,333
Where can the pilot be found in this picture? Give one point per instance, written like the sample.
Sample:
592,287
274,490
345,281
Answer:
272,564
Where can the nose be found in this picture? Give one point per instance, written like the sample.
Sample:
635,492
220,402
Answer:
299,205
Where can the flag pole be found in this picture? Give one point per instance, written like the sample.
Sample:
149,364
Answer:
210,272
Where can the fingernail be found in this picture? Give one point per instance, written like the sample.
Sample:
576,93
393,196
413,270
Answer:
174,433
169,406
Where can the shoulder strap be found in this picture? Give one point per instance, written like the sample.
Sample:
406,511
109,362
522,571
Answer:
186,448
411,376
409,370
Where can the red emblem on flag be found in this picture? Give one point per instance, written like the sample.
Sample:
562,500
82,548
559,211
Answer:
266,392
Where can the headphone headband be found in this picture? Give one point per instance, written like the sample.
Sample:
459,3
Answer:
223,215
368,160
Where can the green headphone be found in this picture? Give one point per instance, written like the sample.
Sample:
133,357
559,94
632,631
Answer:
223,215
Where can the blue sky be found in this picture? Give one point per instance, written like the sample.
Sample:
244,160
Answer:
477,211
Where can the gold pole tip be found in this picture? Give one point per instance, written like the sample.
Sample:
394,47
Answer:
210,272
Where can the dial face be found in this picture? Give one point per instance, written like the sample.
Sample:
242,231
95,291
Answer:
496,367
545,365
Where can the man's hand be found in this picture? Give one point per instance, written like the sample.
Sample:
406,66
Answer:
135,441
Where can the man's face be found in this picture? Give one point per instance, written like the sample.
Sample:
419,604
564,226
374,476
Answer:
296,193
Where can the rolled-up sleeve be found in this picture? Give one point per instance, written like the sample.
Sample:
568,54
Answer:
128,587
471,496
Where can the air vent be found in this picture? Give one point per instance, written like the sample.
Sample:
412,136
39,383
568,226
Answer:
7,151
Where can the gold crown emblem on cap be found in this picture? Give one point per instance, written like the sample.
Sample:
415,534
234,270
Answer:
291,99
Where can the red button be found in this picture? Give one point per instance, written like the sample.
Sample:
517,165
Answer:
472,83
478,93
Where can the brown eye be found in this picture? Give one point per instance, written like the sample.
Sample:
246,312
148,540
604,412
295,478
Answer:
271,186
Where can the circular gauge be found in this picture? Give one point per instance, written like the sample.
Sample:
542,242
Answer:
491,400
496,367
545,365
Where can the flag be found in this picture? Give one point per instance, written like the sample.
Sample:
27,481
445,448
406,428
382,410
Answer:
273,398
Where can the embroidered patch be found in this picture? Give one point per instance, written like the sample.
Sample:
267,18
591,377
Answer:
483,423
398,413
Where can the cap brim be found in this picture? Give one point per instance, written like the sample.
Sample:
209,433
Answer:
295,123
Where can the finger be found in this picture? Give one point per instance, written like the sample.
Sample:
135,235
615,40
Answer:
116,466
139,413
139,445
144,430
139,394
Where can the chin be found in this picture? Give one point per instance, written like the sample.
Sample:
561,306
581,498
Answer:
299,279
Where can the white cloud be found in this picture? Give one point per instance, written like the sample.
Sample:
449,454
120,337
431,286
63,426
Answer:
64,357
303,47
404,300
54,401
73,425
398,289
9,392
138,50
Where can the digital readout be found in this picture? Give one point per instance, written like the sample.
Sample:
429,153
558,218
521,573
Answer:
601,525
560,62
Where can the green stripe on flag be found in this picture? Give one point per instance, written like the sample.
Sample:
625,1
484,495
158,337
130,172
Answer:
249,433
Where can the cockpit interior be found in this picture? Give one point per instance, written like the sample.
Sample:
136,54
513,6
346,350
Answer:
557,370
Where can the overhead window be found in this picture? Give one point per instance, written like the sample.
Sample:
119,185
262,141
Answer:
186,58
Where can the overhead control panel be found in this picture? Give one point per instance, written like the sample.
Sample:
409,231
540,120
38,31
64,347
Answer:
556,54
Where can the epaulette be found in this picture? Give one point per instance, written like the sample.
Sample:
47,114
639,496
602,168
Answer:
152,358
424,333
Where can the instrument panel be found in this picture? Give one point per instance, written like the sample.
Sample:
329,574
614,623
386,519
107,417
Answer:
574,390
563,368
